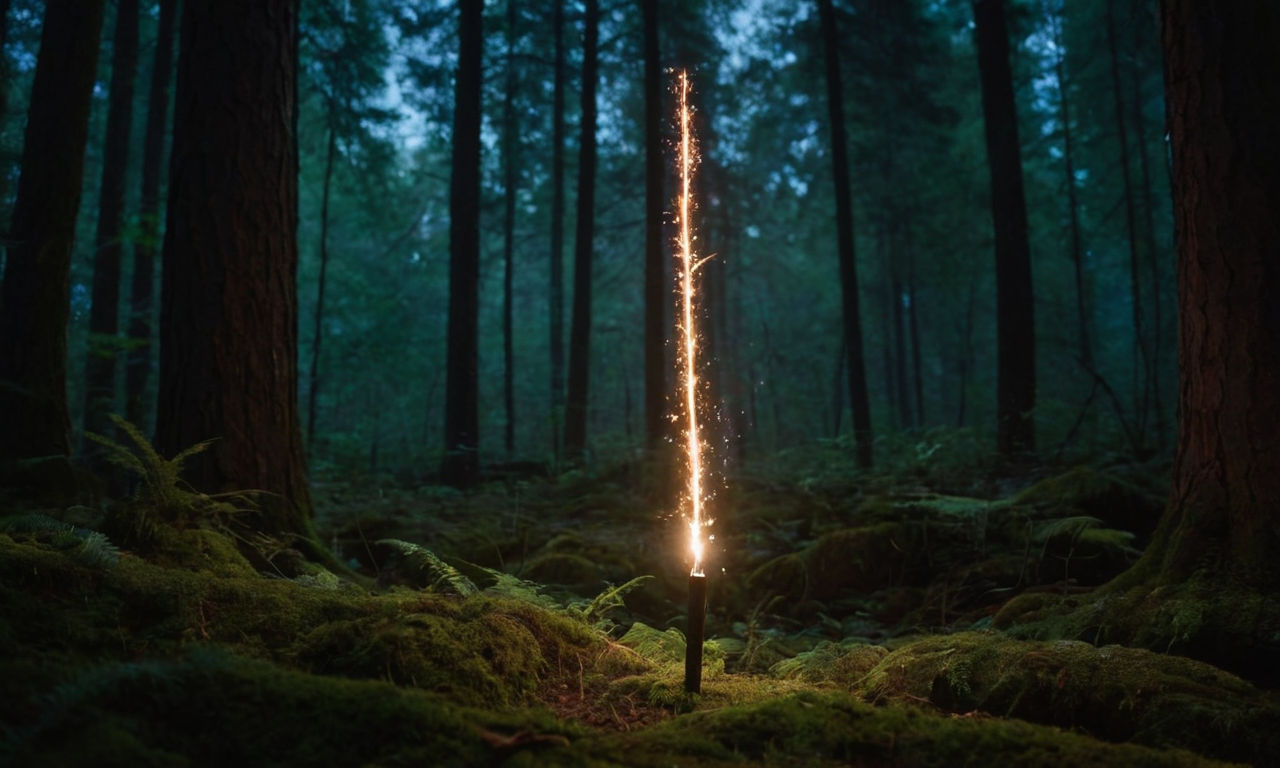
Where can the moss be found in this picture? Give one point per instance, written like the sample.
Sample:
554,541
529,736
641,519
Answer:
211,708
1205,617
848,560
831,662
480,650
811,728
1118,502
1115,693
202,549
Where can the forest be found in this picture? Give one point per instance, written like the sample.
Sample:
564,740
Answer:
639,382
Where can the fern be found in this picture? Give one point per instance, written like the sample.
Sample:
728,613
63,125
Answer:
87,547
161,478
442,574
597,611
661,647
513,587
163,497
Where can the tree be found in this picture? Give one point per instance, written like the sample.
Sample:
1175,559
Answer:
1206,585
510,173
138,365
4,91
1224,109
1015,311
556,293
575,418
100,368
34,303
655,287
852,325
461,465
229,313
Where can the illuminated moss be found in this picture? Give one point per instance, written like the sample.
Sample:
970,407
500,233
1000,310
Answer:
1115,693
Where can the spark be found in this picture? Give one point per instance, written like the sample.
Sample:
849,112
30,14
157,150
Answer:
689,263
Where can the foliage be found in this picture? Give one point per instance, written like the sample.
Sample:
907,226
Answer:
162,498
88,547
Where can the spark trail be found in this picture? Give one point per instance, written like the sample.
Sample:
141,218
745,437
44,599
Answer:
689,264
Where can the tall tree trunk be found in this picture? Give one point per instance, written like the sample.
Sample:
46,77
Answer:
656,290
556,292
1148,231
4,111
104,311
461,466
901,399
229,330
1224,112
142,311
966,356
1141,379
317,331
837,389
913,324
1085,347
1206,585
36,291
510,174
858,398
1015,310
575,422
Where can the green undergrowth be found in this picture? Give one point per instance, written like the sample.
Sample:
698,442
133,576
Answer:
831,728
1112,692
1213,619
187,663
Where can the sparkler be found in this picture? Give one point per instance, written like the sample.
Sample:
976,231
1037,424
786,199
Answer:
689,263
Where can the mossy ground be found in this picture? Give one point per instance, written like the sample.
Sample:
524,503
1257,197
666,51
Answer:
189,653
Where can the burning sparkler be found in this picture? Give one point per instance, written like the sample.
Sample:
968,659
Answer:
689,264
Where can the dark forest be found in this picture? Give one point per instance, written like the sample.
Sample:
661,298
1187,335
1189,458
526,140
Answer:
639,382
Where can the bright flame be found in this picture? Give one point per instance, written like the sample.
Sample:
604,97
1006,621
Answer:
688,264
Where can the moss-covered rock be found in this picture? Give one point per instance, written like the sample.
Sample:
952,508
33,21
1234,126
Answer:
811,728
1084,490
213,708
1115,693
1207,618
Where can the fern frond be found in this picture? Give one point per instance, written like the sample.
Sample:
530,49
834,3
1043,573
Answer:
119,455
662,647
442,574
598,609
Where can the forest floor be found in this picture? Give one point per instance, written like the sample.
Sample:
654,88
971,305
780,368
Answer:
852,620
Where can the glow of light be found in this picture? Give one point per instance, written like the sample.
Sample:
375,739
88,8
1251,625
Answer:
688,265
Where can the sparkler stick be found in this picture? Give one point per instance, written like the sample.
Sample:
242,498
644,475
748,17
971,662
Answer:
688,264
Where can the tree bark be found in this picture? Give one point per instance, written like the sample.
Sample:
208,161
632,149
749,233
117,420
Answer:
4,111
1015,310
575,422
1148,232
36,291
913,325
1224,112
317,331
461,465
901,397
858,397
229,327
142,311
1085,347
510,174
656,289
556,293
1141,373
104,311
